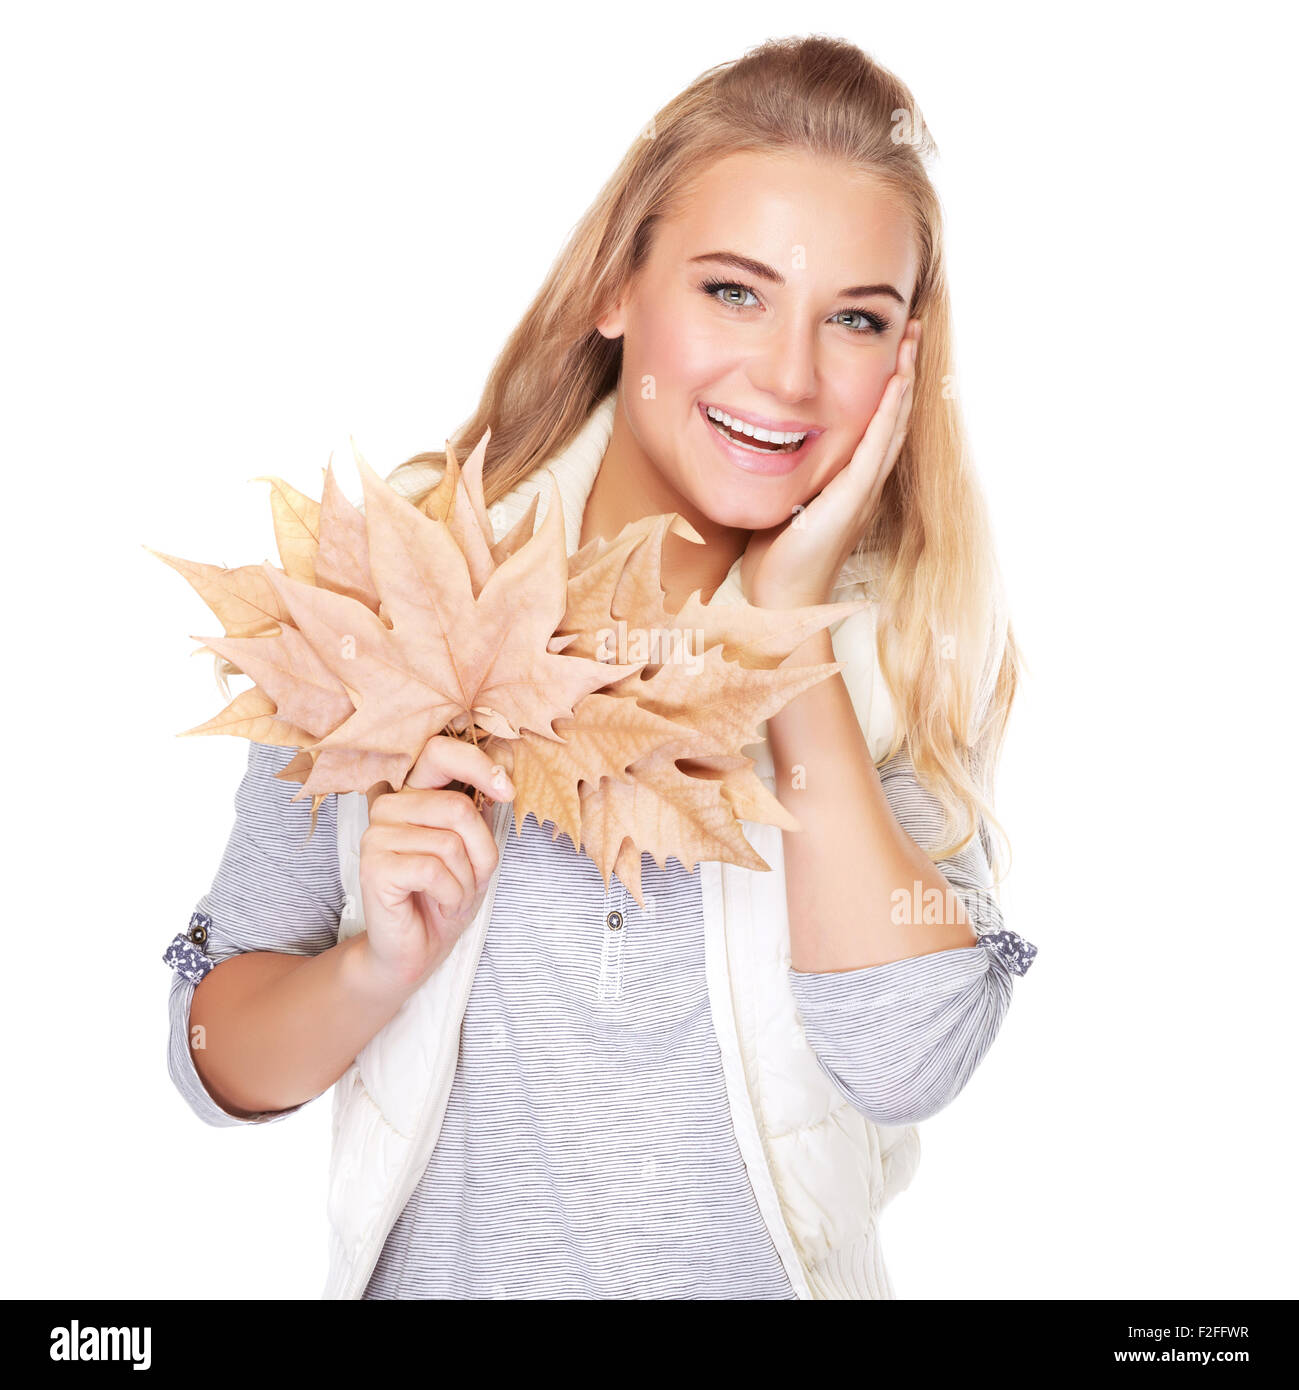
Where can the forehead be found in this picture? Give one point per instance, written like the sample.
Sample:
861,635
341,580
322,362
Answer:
761,204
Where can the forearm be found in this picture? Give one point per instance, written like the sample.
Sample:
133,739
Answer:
850,857
270,1030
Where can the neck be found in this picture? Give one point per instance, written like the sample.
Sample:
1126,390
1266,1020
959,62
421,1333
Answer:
628,487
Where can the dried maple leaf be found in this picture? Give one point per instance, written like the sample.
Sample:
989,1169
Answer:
724,671
664,807
389,626
661,810
243,599
342,559
297,528
288,668
624,583
437,656
603,736
252,715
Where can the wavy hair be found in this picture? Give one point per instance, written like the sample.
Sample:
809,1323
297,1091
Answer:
944,642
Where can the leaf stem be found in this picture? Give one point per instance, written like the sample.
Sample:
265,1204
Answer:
470,735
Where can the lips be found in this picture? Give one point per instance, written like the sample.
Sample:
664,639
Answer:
747,417
753,457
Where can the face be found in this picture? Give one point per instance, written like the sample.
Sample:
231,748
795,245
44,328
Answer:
776,296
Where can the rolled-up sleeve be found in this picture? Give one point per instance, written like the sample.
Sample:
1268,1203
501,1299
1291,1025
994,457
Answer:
901,1040
276,890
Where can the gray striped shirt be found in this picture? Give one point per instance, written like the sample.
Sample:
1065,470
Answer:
587,1148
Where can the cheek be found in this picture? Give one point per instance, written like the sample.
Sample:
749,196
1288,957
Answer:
857,407
677,351
865,401
854,408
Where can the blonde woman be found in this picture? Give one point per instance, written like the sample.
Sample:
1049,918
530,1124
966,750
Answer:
542,1089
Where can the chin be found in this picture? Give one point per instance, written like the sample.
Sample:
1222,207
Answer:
744,513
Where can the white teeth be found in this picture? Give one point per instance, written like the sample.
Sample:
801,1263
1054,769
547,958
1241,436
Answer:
755,431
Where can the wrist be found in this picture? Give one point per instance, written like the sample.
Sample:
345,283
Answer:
369,980
805,596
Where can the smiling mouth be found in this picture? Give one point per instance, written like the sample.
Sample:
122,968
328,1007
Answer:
747,441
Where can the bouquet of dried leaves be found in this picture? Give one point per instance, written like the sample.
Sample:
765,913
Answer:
388,626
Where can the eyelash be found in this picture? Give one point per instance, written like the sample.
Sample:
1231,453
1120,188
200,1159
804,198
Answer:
878,324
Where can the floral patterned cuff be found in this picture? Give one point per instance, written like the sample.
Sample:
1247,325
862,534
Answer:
188,950
1013,949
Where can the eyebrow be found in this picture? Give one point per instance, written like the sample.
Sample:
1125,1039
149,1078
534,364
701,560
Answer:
766,272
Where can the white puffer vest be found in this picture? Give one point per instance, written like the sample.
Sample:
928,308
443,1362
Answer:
821,1172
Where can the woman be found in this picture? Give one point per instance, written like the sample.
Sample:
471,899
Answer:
543,1089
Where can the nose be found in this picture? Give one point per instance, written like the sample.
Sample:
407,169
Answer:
785,366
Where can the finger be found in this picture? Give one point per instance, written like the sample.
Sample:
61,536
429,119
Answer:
908,352
404,874
912,349
441,844
891,456
442,810
858,475
898,398
899,428
444,759
882,428
857,485
908,356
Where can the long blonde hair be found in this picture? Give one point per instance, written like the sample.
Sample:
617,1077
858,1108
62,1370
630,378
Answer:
945,645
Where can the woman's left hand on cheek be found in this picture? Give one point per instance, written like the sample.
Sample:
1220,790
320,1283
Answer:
798,562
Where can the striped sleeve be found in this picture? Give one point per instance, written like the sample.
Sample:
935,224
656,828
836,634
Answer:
901,1040
275,890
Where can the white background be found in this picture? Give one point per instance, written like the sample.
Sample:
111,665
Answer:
236,235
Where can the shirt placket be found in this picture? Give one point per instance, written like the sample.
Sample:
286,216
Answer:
613,936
